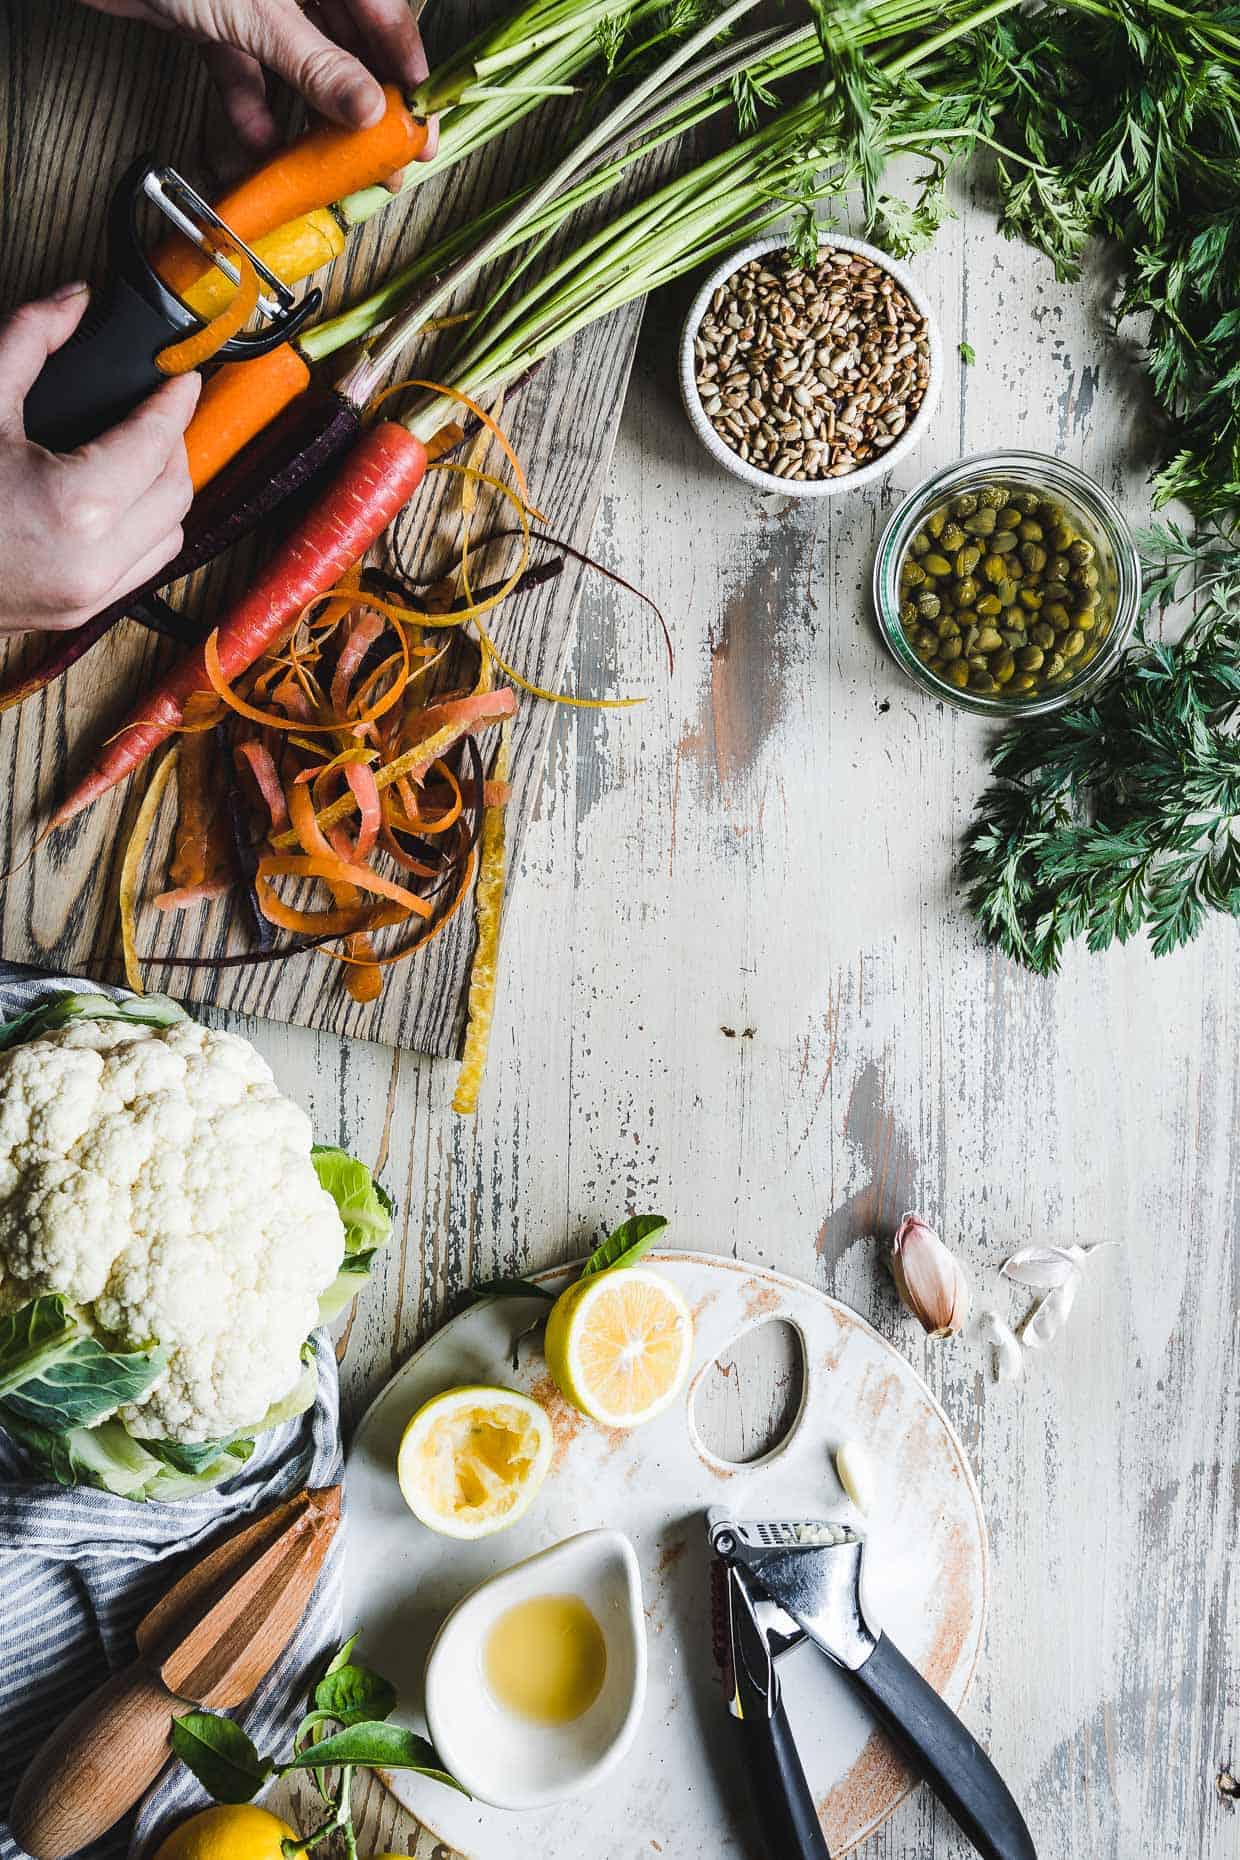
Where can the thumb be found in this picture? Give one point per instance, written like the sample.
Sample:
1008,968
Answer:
28,337
330,79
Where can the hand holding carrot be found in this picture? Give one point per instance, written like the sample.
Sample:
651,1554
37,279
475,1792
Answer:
320,54
79,529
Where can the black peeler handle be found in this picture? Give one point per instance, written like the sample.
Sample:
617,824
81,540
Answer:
784,1805
942,1751
108,364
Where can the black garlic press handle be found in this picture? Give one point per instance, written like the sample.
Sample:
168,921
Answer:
945,1754
784,1805
102,372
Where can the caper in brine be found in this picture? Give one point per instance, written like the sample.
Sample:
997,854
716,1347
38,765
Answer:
1074,643
1042,634
948,627
952,537
1029,531
908,613
1062,537
925,642
950,649
1086,577
966,590
1005,593
990,604
1086,618
1055,613
1081,552
1054,665
1009,517
1087,597
992,497
936,564
1003,542
957,673
1055,590
1029,658
964,504
921,543
989,639
1012,637
981,523
994,568
1002,667
1030,598
912,575
936,523
1058,568
1023,683
930,607
1033,555
967,616
1026,501
981,681
967,559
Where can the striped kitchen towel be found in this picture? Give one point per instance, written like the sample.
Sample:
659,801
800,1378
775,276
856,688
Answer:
79,1569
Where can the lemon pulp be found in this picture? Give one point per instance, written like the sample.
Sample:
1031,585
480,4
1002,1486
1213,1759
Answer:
545,1659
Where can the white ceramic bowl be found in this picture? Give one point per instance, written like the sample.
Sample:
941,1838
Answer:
731,461
501,1758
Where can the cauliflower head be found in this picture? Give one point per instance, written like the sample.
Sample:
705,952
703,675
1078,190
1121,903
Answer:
156,1179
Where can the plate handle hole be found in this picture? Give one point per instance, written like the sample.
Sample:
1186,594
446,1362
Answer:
748,1400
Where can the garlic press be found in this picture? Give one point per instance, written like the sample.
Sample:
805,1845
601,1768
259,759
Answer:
779,1582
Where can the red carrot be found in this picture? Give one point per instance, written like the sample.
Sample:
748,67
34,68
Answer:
380,475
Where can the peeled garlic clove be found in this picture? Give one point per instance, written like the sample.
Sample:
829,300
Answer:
929,1279
855,1469
1050,1314
1009,1359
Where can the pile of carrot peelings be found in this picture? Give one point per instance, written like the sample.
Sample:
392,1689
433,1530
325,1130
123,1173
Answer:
369,814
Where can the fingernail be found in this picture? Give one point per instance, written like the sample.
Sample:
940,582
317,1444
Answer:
64,292
364,102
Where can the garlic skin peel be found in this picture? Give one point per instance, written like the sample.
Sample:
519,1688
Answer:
929,1278
1008,1357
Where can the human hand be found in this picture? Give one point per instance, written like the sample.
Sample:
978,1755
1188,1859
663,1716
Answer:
79,529
319,53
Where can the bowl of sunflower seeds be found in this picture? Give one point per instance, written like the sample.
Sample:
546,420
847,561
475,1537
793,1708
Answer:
809,379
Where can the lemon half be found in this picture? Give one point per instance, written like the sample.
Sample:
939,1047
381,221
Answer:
618,1345
471,1460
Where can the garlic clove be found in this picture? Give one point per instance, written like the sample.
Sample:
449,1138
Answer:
1050,1314
929,1278
1008,1357
855,1470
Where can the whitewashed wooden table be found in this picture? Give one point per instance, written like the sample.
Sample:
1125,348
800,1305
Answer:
739,988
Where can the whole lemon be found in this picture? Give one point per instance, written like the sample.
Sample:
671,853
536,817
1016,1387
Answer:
227,1833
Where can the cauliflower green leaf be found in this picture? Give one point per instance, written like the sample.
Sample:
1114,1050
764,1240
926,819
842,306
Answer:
54,1374
143,1010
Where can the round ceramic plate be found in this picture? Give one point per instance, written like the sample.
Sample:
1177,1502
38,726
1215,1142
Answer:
679,1791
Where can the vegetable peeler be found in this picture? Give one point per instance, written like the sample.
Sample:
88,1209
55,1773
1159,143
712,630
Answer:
779,1582
110,362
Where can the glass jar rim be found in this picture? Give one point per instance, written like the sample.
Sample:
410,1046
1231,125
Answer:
1045,471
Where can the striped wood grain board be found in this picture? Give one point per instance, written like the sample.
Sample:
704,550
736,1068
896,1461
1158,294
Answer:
82,96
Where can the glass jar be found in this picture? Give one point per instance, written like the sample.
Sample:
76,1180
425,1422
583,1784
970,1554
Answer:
1041,662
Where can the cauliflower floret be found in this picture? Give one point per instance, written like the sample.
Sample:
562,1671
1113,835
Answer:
157,1179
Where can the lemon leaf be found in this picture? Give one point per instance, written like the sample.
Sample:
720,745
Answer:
220,1755
631,1240
374,1745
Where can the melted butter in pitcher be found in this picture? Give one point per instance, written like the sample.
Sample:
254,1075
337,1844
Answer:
545,1659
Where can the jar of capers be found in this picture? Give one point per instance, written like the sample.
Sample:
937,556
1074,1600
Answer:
1008,582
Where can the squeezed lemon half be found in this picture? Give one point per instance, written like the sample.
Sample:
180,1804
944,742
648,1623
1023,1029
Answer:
471,1460
618,1345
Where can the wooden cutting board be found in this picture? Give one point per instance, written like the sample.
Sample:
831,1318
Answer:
80,97
678,1791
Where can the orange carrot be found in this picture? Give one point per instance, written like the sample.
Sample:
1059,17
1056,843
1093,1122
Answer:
381,473
321,166
239,400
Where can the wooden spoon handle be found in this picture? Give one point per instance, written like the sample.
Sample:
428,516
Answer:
95,1765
